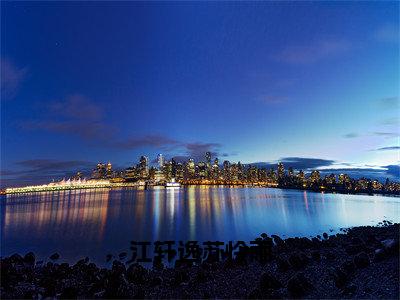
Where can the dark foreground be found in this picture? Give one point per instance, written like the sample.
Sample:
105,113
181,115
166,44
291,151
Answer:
361,263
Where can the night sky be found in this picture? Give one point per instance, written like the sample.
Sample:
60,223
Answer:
315,85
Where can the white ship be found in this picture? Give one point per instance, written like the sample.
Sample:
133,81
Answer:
173,184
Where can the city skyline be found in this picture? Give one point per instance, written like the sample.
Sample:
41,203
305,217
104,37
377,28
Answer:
256,83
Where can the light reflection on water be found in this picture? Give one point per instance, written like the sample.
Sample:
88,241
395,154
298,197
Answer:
97,222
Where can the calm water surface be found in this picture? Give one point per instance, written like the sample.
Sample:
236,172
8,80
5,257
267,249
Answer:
97,222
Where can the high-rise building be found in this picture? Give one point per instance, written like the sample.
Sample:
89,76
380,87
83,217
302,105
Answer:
160,160
190,169
143,166
109,169
315,176
208,158
281,170
100,171
300,177
290,172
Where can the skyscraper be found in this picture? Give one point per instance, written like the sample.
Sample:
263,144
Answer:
160,160
281,170
208,158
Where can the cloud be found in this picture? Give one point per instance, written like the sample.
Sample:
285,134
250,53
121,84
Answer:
375,133
389,102
350,135
198,150
39,171
51,164
390,121
385,134
298,163
313,52
11,78
269,99
391,171
387,33
388,148
76,115
156,141
77,107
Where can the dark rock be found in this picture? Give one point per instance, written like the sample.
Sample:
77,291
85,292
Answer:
390,246
109,257
298,260
54,256
277,240
264,235
340,278
180,276
157,280
282,264
299,285
118,267
69,292
354,249
379,255
122,255
267,281
136,273
325,235
348,267
29,258
316,255
201,275
254,294
16,258
361,260
350,289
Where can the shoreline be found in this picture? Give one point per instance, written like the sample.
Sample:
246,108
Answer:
363,262
132,186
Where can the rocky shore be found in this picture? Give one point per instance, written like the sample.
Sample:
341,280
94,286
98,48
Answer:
361,262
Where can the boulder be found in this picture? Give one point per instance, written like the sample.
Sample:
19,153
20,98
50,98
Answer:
316,255
29,258
298,260
54,256
299,285
282,264
136,273
340,278
361,260
267,281
390,246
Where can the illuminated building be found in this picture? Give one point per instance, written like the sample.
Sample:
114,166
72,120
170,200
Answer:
143,167
330,179
130,174
215,169
160,160
208,158
315,177
300,177
202,170
99,172
226,170
109,170
272,175
290,172
344,178
190,169
281,170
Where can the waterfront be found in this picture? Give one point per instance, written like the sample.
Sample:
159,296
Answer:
93,223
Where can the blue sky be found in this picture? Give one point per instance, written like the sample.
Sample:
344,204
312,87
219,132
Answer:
249,81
